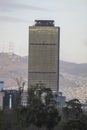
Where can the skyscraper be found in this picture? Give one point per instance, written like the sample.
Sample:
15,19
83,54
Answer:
44,39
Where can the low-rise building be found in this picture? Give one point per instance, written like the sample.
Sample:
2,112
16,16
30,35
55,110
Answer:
1,85
24,98
1,100
60,99
9,98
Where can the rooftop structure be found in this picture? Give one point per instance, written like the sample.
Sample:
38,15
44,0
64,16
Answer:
44,22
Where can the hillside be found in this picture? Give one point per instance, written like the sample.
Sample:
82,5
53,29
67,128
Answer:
72,81
12,67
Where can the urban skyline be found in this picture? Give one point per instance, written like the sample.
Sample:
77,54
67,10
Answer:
16,16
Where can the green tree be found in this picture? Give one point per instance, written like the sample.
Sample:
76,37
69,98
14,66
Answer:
73,116
73,109
41,110
42,107
2,123
21,114
20,83
75,124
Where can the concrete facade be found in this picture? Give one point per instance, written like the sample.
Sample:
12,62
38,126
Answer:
1,85
24,98
1,100
44,54
60,99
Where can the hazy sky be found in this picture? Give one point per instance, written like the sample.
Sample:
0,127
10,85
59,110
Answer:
71,15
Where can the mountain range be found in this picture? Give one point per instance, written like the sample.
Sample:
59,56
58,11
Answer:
12,67
72,76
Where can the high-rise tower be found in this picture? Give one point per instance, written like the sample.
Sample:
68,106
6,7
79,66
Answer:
44,39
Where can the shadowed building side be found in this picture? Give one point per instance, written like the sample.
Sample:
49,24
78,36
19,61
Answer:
44,54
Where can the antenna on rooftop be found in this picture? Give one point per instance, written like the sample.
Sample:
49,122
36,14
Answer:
3,47
11,48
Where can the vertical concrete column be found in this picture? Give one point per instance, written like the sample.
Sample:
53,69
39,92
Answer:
10,101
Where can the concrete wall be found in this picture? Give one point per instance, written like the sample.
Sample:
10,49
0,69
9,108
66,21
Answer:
44,55
1,100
